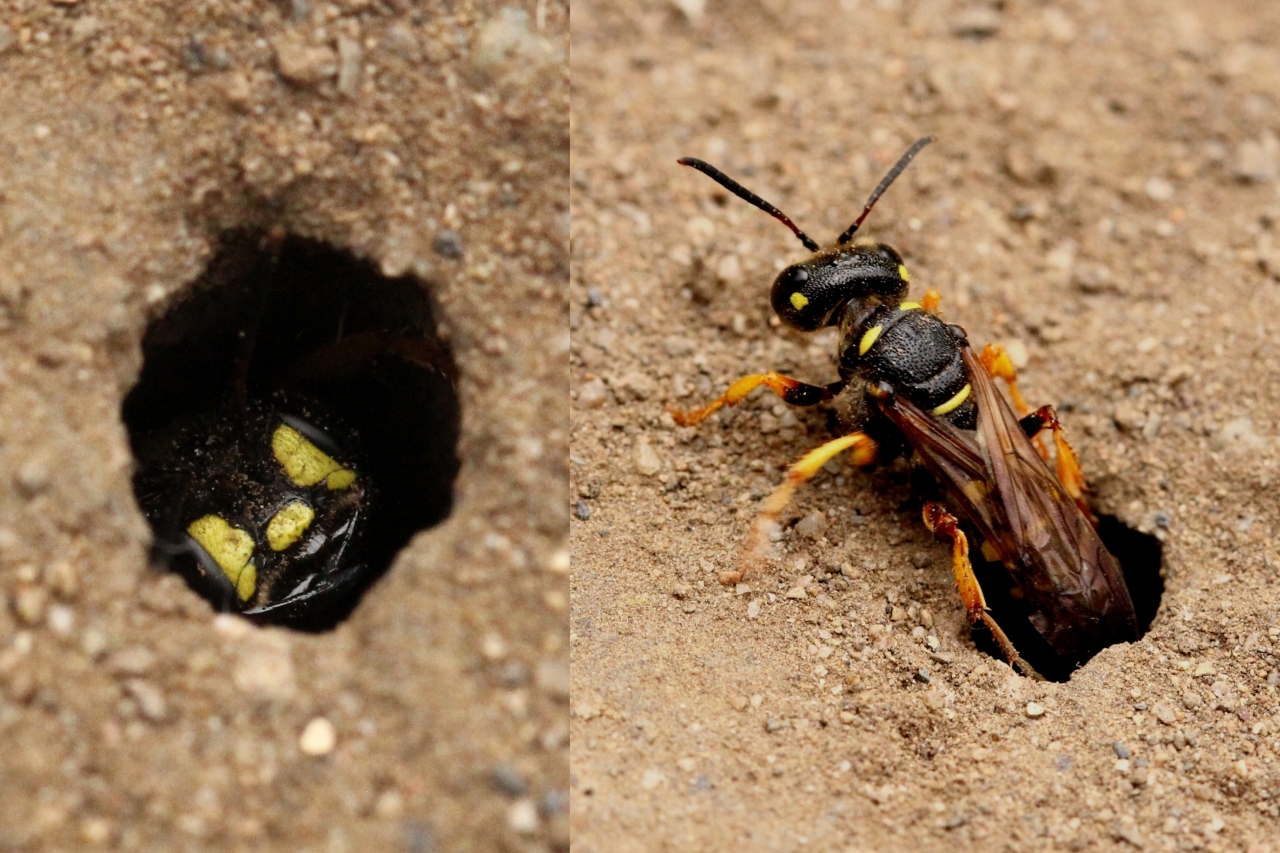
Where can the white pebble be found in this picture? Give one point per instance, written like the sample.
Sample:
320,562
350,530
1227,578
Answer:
1035,709
61,619
318,738
522,817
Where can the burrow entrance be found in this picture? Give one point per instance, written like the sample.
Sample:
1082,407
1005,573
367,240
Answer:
295,424
1141,557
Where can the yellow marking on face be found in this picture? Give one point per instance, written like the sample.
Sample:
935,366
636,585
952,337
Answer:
305,463
288,525
903,274
868,338
954,403
230,548
908,306
799,301
339,480
247,582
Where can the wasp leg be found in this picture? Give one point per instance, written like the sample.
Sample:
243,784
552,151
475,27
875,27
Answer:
1068,467
1000,366
792,391
930,301
945,526
864,453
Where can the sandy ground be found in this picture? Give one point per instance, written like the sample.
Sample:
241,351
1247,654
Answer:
133,134
1102,198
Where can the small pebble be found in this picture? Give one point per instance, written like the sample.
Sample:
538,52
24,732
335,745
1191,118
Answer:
62,620
1122,749
1191,700
559,562
647,461
812,524
797,593
513,674
652,778
771,725
581,510
132,660
522,817
493,647
389,805
593,394
149,698
33,478
447,244
552,677
1035,709
509,781
1158,189
318,738
554,802
303,64
1164,713
29,602
350,59
95,830
976,22
753,609
1256,160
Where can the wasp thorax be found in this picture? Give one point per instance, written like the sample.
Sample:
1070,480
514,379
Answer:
810,294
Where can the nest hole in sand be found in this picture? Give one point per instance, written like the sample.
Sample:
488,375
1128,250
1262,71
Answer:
277,324
1141,557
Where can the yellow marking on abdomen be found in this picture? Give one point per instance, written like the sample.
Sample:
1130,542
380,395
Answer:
908,306
903,274
230,547
954,403
868,339
288,525
305,463
799,301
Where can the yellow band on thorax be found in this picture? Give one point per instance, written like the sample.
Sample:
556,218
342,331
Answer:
954,403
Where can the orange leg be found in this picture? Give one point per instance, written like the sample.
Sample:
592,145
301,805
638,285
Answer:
930,301
1068,467
864,453
944,525
1000,366
792,391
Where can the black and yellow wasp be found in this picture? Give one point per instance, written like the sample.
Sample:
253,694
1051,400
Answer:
908,380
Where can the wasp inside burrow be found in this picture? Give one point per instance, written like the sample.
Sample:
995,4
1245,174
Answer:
294,425
910,382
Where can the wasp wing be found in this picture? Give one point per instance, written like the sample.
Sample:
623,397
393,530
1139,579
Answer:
1073,587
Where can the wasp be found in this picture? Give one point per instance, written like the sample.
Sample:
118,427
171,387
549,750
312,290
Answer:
291,431
911,382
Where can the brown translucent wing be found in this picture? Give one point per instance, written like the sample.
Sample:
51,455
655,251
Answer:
1073,587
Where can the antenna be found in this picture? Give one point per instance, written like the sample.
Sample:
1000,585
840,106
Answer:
751,198
884,185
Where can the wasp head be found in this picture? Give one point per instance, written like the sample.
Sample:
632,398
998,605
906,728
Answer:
810,294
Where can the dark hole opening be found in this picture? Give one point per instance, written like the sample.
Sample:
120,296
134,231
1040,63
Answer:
1140,556
288,352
